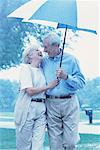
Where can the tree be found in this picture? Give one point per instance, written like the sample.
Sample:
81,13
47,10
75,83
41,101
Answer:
13,32
89,95
8,94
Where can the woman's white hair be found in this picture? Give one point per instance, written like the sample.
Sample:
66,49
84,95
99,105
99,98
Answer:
28,51
54,38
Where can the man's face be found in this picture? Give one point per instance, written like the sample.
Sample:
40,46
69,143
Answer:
50,49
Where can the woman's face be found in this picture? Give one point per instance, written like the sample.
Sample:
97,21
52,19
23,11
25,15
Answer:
36,55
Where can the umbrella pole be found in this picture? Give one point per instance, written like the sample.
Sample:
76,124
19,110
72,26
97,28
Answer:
63,46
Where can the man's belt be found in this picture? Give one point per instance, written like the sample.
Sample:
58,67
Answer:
38,100
59,97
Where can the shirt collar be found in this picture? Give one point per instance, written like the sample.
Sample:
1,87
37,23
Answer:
56,57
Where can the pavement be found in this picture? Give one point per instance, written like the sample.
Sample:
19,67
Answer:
84,126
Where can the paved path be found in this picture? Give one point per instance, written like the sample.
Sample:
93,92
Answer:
84,127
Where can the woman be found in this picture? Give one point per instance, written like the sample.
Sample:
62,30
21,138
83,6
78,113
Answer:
30,108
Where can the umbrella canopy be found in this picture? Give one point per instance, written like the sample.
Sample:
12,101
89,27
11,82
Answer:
60,12
65,12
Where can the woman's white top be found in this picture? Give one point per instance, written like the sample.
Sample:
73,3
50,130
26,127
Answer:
32,77
29,77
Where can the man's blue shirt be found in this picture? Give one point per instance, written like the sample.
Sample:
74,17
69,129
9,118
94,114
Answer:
70,66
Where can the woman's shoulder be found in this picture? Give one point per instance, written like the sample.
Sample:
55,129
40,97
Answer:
24,67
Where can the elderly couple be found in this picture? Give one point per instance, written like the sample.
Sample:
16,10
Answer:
48,96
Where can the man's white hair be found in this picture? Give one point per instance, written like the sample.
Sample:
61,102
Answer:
34,45
54,38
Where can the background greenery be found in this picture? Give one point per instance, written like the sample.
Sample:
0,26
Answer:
88,96
13,32
88,141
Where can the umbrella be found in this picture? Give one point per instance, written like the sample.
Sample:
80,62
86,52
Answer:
58,13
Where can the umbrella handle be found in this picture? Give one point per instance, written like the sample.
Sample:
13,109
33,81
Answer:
63,46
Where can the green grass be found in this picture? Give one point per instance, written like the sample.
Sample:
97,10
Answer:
87,142
83,116
6,114
7,138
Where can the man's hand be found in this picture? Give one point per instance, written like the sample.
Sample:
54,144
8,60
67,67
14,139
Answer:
61,74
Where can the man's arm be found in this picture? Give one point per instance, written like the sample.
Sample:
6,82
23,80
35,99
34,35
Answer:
75,80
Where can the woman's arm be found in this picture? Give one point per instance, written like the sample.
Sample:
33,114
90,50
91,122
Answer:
32,90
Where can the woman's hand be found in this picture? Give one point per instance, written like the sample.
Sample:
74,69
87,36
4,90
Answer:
53,84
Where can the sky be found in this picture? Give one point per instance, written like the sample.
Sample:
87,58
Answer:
86,49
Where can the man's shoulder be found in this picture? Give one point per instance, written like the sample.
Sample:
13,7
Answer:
44,61
69,55
45,58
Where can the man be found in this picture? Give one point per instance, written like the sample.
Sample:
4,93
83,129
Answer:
62,104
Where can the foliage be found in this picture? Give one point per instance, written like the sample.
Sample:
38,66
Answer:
13,32
87,142
8,94
89,95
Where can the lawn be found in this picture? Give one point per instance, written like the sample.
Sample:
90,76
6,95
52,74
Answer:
84,117
87,142
96,115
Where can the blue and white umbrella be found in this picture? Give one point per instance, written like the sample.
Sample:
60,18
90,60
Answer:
58,14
